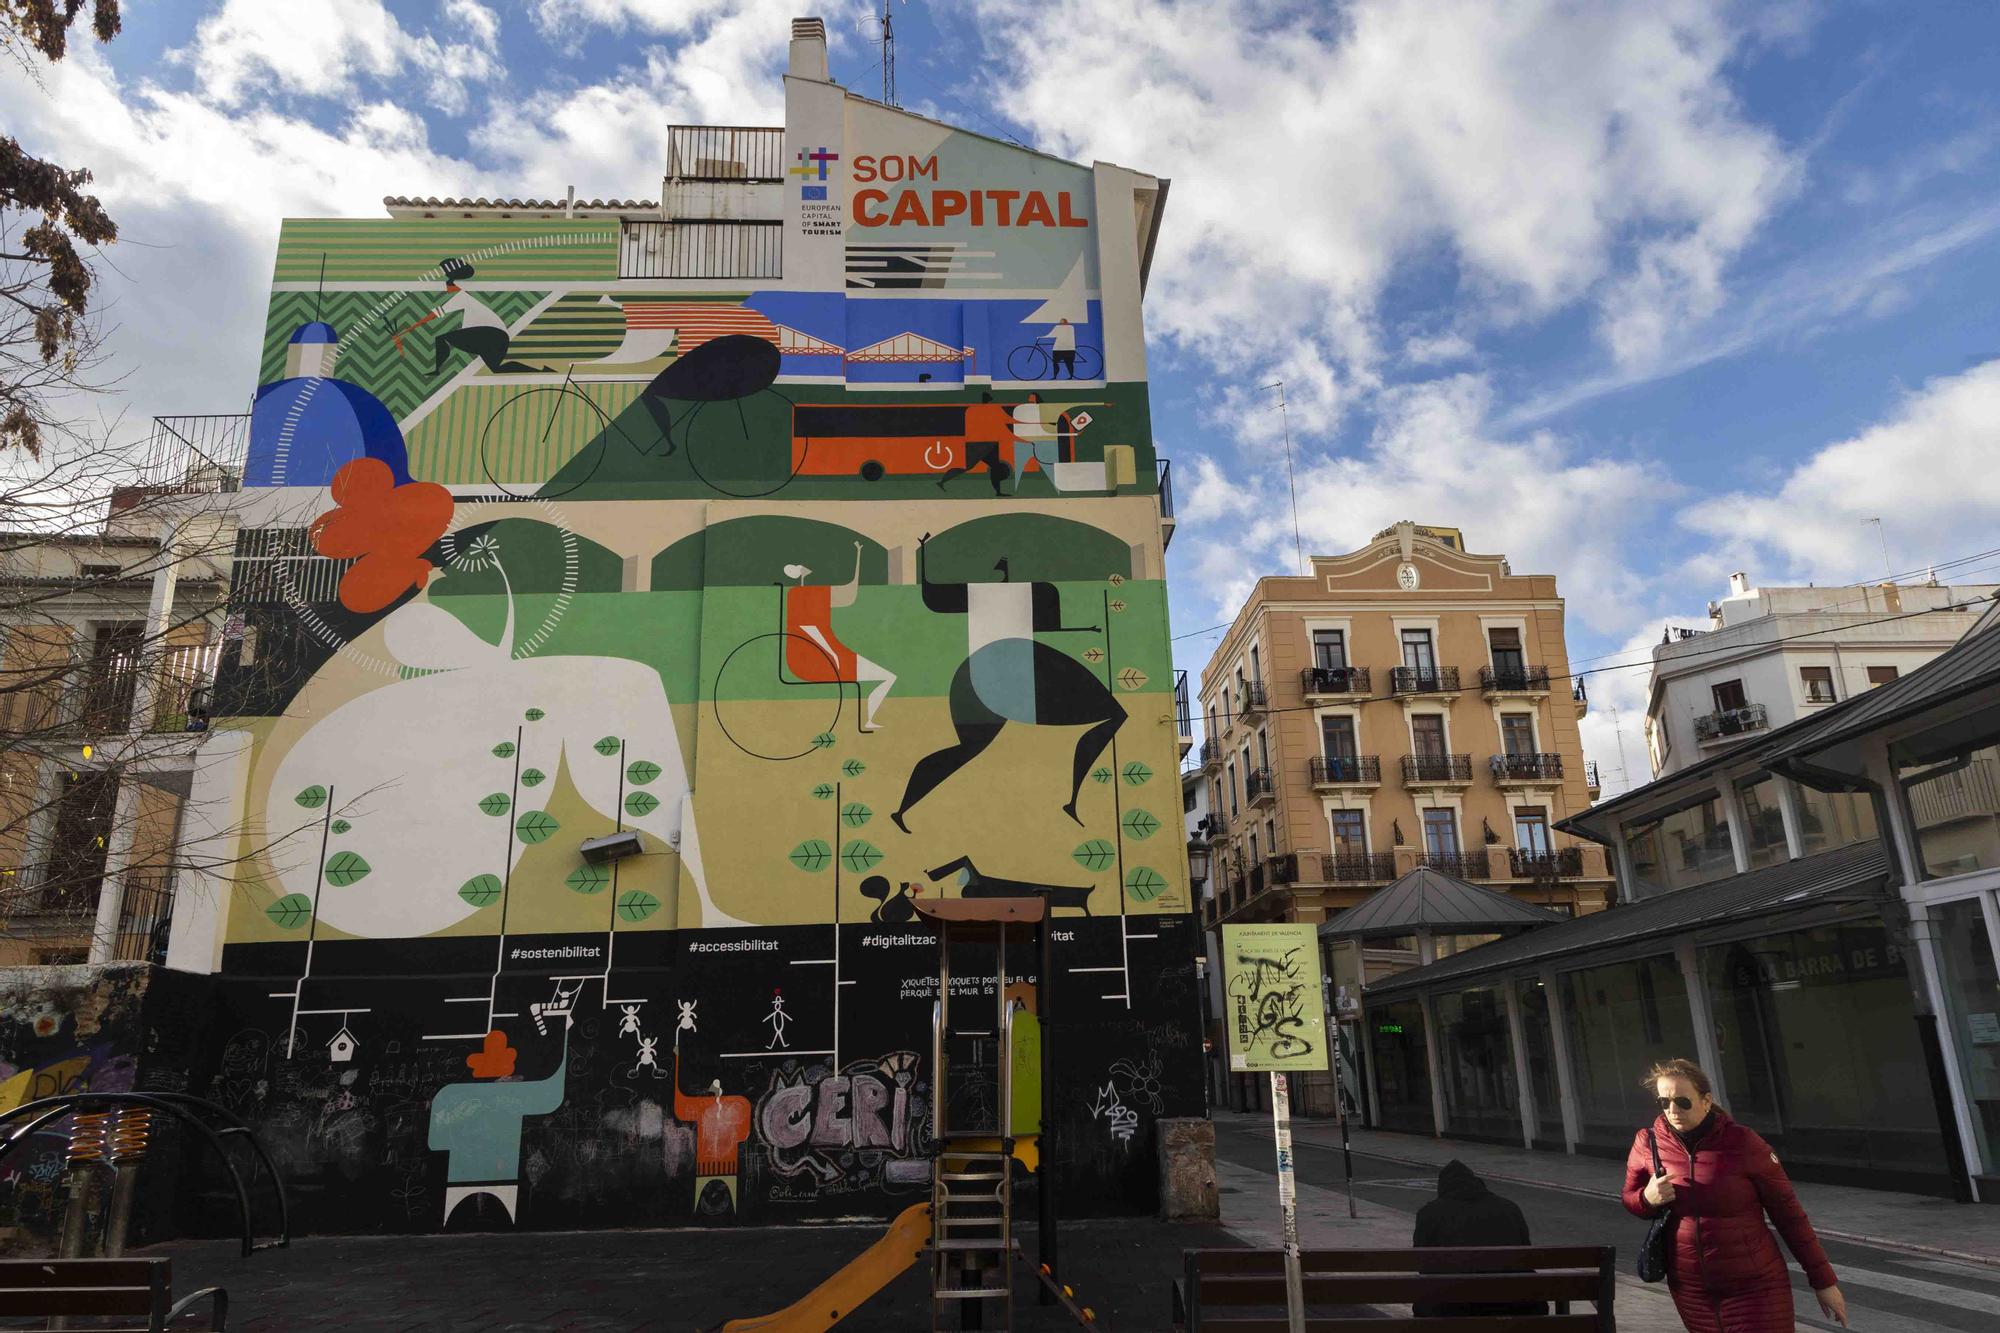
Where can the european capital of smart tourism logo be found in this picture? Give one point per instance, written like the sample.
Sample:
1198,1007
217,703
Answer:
812,167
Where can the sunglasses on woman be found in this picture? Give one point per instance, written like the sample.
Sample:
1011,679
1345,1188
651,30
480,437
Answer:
1679,1103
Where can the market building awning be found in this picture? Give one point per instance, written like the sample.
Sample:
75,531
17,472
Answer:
1858,872
1427,901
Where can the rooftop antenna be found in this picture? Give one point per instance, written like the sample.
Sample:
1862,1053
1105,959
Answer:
1285,415
1888,571
888,57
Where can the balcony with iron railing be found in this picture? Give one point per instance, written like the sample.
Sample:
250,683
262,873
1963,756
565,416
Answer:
1166,493
194,454
97,697
1562,863
1357,867
1433,770
60,903
1525,769
1251,698
726,153
1514,680
1419,680
1283,869
1590,781
1211,754
1259,788
1345,770
1322,682
1460,865
1730,722
1183,713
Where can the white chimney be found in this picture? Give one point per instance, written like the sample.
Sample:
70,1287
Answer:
809,49
1739,584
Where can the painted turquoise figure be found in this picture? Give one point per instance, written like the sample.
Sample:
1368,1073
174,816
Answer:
479,1123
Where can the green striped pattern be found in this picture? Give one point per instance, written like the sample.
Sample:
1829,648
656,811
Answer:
365,322
532,434
396,250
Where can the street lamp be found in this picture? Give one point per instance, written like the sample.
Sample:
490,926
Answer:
1198,856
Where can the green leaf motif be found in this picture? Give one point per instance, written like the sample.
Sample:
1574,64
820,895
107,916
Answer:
637,904
534,715
854,768
533,777
854,814
589,878
641,771
496,803
823,740
1145,883
1100,776
860,855
341,826
823,792
481,890
1095,855
535,826
641,803
1136,774
291,911
608,745
1140,824
312,798
344,868
504,750
811,855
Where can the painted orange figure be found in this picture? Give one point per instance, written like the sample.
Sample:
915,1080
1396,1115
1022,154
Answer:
384,528
721,1124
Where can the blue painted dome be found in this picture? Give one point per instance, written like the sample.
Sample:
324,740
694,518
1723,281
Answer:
304,429
315,332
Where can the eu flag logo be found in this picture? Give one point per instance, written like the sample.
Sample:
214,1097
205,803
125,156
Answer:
812,192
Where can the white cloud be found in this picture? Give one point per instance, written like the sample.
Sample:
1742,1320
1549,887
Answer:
1930,471
1552,152
319,50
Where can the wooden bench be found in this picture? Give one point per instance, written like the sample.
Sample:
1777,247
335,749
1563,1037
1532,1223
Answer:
1243,1291
138,1290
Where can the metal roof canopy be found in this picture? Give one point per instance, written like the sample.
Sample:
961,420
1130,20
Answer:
1853,873
1430,902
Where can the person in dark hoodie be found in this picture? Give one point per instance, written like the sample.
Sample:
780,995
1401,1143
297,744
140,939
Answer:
1466,1213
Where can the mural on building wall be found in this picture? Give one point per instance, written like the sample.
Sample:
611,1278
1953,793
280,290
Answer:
838,592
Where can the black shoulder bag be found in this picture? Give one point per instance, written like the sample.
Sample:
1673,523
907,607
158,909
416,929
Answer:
1659,1236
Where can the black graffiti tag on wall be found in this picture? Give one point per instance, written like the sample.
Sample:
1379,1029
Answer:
1270,1005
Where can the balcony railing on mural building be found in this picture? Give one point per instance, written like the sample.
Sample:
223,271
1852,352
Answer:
1462,865
1183,710
1334,680
1167,520
1437,768
1357,867
1562,863
1329,770
1514,680
702,248
1526,767
1730,722
726,152
1259,787
1418,680
201,454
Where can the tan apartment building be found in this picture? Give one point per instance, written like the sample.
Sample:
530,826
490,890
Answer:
1407,704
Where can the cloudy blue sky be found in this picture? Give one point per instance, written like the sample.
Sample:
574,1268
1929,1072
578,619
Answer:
1637,294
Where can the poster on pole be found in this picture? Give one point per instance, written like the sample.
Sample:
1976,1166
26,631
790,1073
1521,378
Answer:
1276,1020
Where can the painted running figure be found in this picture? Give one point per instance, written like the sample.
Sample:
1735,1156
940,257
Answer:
480,332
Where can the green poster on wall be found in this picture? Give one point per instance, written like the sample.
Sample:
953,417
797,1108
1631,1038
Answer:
1276,1017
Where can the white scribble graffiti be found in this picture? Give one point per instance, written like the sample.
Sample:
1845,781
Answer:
1122,1120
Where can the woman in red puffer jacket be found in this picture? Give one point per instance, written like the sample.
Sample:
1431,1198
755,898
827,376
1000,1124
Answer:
1720,1179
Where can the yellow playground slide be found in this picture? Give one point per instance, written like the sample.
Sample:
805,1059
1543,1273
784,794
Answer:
834,1299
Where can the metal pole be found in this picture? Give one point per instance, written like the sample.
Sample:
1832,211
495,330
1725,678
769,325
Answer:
1340,1108
1288,1208
1045,1176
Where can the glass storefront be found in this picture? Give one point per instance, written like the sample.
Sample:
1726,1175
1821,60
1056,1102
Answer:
1972,1003
1955,805
1402,1071
1620,1019
1680,849
1476,1065
1830,819
1763,821
1817,1041
1538,1038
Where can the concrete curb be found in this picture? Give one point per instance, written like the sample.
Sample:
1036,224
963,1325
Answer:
1876,1242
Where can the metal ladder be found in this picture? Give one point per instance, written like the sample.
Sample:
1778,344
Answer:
972,1183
